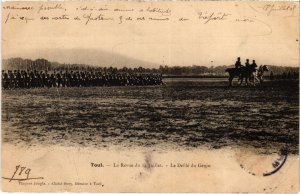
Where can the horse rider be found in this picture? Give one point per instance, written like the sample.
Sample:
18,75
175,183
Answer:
247,64
254,65
254,70
238,63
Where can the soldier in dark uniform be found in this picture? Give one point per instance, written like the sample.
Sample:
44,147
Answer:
38,80
22,80
52,80
77,79
58,79
254,65
70,82
17,78
31,79
238,63
64,79
10,79
5,80
27,79
44,79
247,64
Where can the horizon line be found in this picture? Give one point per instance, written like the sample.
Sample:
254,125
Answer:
158,65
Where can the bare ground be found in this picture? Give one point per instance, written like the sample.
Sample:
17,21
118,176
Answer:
182,114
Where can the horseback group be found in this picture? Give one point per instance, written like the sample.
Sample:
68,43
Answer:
249,72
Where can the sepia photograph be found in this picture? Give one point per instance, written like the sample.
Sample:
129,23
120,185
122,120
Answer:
150,96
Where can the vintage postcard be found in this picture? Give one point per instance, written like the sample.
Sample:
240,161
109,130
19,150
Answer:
150,96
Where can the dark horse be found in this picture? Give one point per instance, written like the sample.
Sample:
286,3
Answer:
246,73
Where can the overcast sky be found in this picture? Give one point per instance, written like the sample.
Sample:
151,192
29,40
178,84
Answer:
269,39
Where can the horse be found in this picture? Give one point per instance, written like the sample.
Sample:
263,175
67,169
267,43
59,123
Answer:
247,73
260,73
257,75
234,72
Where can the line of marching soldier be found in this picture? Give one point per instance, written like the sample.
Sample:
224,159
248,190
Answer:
37,79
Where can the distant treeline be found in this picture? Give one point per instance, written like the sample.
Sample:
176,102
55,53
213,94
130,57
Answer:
45,65
168,71
219,71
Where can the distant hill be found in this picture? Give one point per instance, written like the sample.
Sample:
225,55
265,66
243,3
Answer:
93,57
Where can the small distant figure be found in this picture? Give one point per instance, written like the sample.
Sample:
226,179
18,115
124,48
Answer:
284,75
238,63
253,70
271,75
247,64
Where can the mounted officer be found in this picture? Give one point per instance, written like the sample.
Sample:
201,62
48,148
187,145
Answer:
254,65
247,64
238,63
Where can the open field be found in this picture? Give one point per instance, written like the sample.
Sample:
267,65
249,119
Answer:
182,114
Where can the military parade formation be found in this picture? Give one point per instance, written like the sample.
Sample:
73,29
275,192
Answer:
12,79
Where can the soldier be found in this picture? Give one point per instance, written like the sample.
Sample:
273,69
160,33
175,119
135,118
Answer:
43,78
247,64
77,79
58,79
18,79
238,63
254,65
52,80
21,79
27,79
5,80
38,80
70,82
31,79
